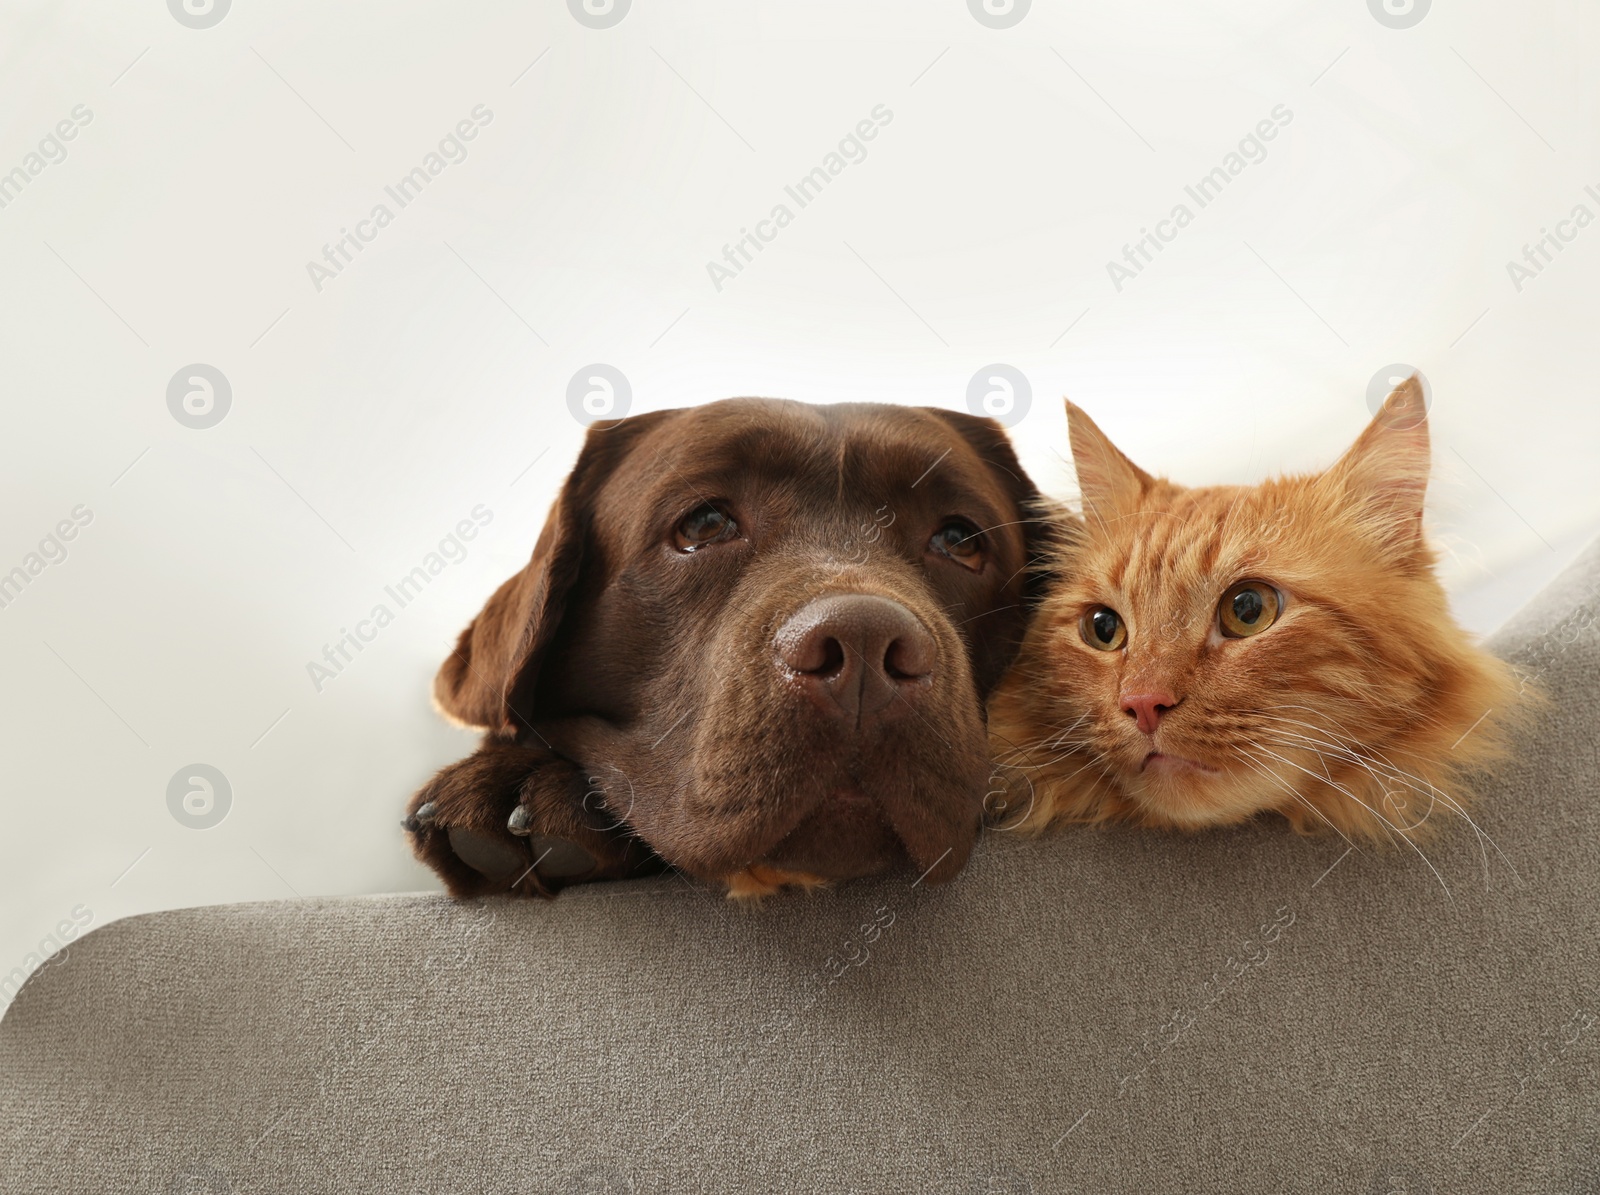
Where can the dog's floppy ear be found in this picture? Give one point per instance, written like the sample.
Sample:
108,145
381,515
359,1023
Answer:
488,681
1041,533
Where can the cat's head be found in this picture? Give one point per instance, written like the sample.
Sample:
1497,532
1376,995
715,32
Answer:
1208,654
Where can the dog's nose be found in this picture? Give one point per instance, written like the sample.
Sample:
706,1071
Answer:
859,657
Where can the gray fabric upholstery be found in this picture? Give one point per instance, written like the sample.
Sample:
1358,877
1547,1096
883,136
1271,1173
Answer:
1027,1028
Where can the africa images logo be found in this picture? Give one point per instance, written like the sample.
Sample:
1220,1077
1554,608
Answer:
851,150
598,14
999,14
1251,151
451,150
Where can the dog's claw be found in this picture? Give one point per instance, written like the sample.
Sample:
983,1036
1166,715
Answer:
422,817
510,820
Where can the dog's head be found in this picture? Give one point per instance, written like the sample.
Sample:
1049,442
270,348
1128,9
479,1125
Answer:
766,632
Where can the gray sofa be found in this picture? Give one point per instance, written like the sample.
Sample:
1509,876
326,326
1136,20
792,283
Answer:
1103,1011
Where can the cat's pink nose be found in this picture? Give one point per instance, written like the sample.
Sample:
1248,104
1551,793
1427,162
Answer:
1146,708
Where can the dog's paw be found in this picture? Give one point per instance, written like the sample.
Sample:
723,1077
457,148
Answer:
512,819
758,881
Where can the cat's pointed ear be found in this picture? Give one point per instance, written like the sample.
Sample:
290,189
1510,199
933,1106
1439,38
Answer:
1386,470
1108,481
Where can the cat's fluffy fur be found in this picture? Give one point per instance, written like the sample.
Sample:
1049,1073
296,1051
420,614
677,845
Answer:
1360,710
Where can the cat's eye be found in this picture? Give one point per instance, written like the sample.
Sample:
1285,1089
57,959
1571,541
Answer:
959,540
703,526
1248,608
1103,628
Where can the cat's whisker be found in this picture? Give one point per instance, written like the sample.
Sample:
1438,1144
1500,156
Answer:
1389,827
1025,749
1320,748
1317,749
1022,757
1346,739
1296,794
1052,738
1025,756
1367,759
1371,763
1061,737
1405,838
1382,818
1256,765
1343,736
1337,730
1364,761
1418,784
1482,835
1053,760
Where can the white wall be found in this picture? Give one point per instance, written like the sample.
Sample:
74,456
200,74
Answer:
371,416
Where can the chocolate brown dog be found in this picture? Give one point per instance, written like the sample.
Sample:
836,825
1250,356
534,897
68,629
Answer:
753,643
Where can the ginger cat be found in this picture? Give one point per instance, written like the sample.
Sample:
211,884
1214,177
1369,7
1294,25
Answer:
1207,655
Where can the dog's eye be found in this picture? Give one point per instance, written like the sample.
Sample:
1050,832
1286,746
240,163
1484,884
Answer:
1248,608
703,526
959,540
1103,628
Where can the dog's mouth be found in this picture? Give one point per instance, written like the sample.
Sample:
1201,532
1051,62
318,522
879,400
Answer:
846,835
845,802
855,831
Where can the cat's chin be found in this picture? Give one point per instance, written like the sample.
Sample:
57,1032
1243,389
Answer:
1161,763
1175,791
